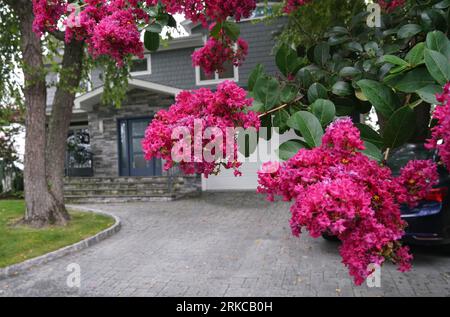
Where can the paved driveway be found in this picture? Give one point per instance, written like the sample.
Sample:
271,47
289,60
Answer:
219,245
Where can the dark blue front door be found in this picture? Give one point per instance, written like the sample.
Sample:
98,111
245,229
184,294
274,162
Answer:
132,161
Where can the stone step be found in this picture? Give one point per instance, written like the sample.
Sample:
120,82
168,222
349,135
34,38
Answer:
117,192
117,198
120,180
119,186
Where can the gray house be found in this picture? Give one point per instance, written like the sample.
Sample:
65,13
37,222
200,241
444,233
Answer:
112,167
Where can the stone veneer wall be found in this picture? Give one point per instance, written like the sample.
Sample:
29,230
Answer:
103,126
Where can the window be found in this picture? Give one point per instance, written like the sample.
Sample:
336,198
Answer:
141,66
231,73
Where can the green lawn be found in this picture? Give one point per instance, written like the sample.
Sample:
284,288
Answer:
19,243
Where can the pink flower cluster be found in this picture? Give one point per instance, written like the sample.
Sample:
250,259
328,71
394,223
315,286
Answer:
225,108
339,191
391,5
47,13
440,138
216,52
117,36
110,27
206,10
293,5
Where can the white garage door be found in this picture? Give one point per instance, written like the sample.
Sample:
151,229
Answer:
249,179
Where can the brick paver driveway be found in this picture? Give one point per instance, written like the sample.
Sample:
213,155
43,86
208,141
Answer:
220,244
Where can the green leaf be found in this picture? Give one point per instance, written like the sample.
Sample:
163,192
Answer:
409,30
354,47
232,30
257,72
395,60
215,30
151,41
372,152
400,127
288,93
349,72
411,81
442,5
342,89
280,120
322,53
438,41
287,60
370,135
155,27
380,96
289,149
267,91
438,66
324,110
415,55
309,127
428,93
317,91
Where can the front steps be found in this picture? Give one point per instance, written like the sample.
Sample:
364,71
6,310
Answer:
88,190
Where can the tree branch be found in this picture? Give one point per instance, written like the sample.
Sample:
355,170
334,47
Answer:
280,107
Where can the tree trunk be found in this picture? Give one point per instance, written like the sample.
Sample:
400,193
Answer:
41,207
62,108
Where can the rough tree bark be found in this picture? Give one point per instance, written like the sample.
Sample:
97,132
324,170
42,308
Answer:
59,124
41,207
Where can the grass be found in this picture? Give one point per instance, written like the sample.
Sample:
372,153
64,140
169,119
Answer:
19,243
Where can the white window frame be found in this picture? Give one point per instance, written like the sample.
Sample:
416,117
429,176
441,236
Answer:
148,57
216,80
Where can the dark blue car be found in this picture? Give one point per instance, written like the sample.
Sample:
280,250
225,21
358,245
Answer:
429,222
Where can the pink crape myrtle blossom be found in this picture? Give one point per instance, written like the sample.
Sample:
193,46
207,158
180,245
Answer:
339,191
440,138
391,5
47,13
117,36
225,108
216,52
292,5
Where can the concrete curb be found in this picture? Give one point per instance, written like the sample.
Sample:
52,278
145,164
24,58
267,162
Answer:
19,268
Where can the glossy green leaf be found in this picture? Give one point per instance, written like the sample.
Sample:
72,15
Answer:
380,96
415,55
317,91
409,30
400,127
428,93
372,152
438,66
151,41
438,41
267,91
324,110
370,135
309,127
289,149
